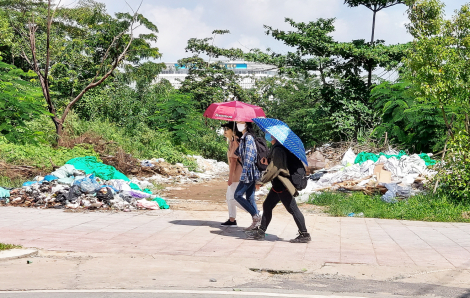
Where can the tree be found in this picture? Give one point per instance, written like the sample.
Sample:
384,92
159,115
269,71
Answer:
407,122
439,68
337,66
439,61
73,50
210,82
19,103
375,6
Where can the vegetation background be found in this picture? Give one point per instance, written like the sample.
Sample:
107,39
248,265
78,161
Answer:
70,72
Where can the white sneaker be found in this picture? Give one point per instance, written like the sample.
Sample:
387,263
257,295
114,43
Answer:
256,222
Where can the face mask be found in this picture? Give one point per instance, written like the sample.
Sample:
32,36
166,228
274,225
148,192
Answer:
268,138
241,126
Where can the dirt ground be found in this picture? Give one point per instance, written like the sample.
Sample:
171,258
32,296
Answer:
210,196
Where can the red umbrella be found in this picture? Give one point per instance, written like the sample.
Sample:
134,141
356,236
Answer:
234,111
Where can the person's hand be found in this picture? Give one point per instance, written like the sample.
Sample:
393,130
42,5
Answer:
258,186
229,182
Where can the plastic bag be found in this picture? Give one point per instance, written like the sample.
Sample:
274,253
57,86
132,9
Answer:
88,184
404,190
148,204
348,158
391,193
4,193
50,178
161,202
119,184
136,194
66,171
317,176
105,195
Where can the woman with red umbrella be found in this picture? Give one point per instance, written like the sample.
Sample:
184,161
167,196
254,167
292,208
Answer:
235,171
243,114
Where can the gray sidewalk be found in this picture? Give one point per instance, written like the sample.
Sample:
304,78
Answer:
378,242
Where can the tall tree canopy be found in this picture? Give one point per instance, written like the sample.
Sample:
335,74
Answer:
375,6
338,66
73,50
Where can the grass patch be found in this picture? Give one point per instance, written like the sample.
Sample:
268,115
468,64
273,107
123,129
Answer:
4,246
423,207
12,183
41,155
142,142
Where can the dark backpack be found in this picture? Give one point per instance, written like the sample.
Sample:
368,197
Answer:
298,174
262,156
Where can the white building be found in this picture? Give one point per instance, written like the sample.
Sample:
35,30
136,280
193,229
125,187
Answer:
250,71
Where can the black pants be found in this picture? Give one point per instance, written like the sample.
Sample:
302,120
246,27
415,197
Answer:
289,202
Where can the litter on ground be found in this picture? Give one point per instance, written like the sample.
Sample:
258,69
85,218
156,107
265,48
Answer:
87,183
392,174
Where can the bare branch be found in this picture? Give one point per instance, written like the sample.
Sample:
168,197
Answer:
130,7
106,54
131,29
93,84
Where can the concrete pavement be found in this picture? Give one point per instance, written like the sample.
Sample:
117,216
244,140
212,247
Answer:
335,239
178,248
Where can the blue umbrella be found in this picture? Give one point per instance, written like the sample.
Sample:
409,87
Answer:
284,135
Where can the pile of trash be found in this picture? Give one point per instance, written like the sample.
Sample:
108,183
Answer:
394,174
86,183
159,171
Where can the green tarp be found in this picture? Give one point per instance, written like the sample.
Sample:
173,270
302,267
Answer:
162,203
427,159
364,156
91,165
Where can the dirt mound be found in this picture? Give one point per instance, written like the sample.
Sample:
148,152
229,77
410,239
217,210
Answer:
19,172
123,162
100,145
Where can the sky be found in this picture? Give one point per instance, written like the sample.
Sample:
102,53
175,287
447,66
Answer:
180,20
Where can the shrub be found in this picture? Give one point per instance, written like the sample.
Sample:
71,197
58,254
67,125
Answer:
425,207
454,174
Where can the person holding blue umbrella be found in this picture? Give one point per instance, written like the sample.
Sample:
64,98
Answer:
287,155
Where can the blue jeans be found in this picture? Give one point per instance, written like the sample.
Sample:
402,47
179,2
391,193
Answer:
249,204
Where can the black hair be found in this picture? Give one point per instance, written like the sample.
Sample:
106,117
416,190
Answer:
232,125
249,128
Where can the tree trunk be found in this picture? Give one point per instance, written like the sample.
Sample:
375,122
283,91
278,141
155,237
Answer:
59,128
373,27
369,77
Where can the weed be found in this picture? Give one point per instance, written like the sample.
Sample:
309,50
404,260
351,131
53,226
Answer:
11,182
41,155
4,246
425,207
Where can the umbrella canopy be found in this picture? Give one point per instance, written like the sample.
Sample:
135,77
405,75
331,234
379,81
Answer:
281,132
233,111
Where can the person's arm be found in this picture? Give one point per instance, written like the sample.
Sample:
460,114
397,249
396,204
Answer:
277,165
232,166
